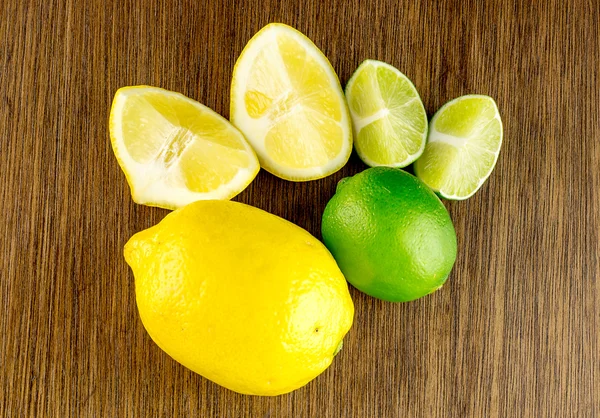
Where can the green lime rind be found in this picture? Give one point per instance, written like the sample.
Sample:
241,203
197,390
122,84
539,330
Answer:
390,234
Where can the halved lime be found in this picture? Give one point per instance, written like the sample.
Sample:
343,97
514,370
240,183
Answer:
388,117
464,141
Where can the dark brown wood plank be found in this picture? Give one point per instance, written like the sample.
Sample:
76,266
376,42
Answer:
515,332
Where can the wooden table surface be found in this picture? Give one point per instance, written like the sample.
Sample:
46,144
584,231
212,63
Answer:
515,332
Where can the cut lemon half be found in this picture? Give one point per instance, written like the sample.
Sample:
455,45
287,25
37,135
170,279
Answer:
389,120
288,102
464,141
174,150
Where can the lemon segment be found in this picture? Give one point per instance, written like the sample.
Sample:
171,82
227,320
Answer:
174,150
288,102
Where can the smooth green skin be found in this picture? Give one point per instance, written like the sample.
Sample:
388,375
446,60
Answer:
390,234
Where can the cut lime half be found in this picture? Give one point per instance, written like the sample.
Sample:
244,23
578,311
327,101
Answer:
464,141
388,117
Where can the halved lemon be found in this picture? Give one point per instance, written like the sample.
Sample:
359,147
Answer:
174,150
288,102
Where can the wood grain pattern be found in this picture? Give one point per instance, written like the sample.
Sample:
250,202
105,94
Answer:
514,333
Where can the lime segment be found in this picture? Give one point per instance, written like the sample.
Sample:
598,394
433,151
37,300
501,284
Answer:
389,120
464,141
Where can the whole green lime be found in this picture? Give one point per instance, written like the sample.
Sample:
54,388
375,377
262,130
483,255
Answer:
390,234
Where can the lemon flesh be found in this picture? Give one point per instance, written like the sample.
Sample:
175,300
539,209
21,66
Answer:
288,102
173,150
389,120
464,141
240,296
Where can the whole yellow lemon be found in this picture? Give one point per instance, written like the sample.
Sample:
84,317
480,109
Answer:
240,296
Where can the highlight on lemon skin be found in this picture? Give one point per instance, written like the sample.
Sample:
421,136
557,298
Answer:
287,100
174,150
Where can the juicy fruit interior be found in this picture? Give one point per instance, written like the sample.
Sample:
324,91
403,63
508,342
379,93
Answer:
188,144
463,146
289,89
389,118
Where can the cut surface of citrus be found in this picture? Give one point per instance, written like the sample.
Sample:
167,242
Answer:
288,102
464,141
174,150
389,120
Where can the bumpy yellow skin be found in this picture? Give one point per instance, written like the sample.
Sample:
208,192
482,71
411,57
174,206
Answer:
240,296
